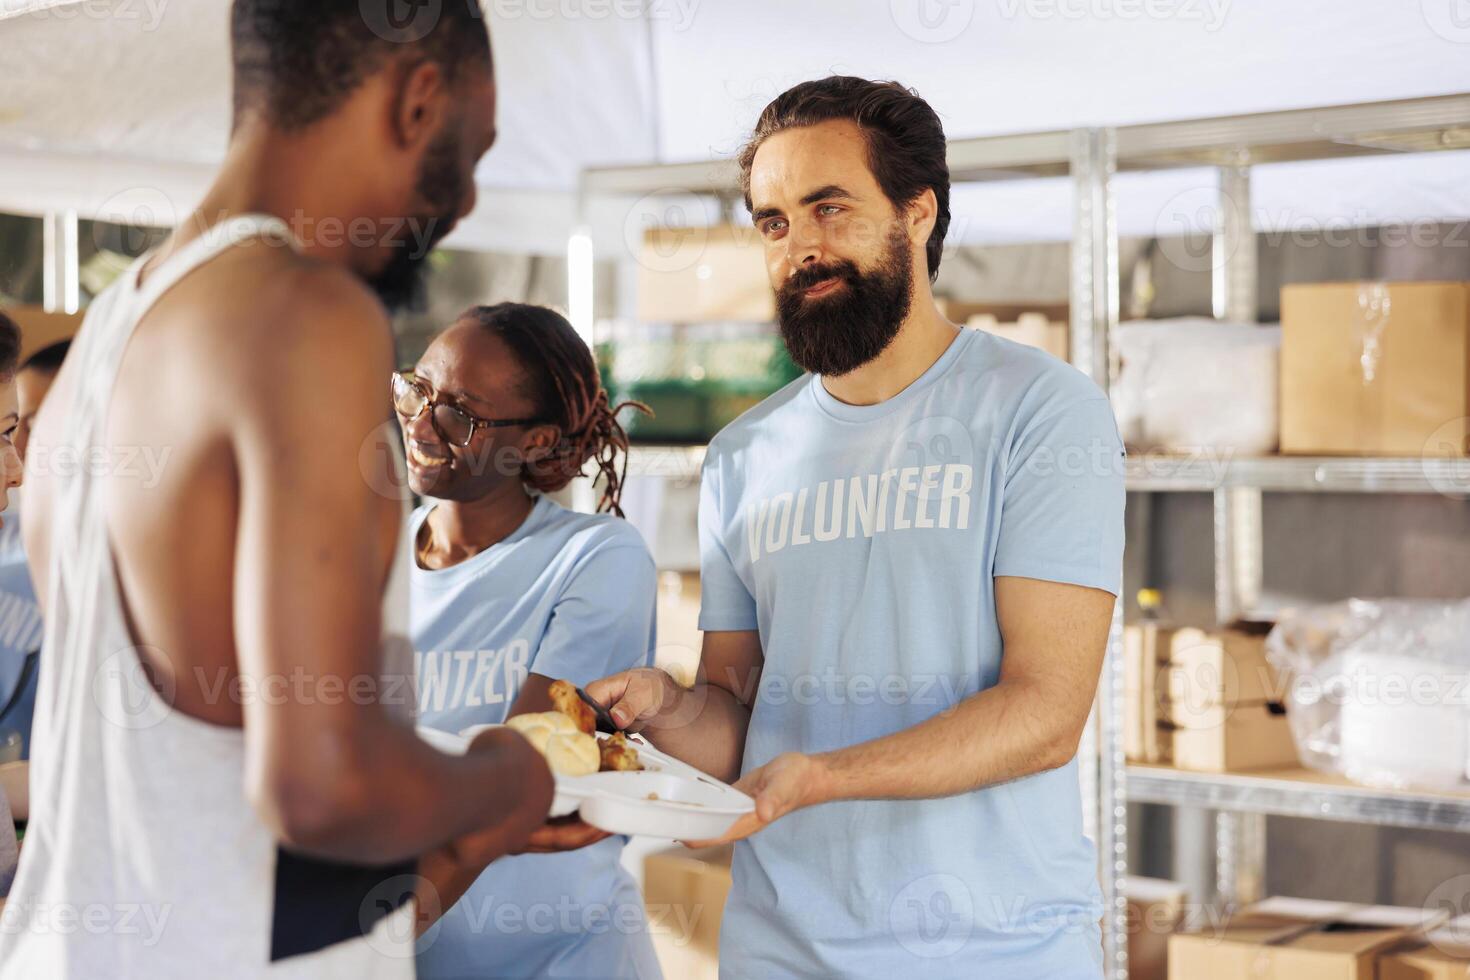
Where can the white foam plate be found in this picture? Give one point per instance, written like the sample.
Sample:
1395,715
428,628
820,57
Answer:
667,798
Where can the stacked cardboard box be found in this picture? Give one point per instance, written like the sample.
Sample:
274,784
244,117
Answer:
958,311
1030,329
1205,700
1376,369
1146,661
1296,939
1441,954
1039,325
684,891
1155,910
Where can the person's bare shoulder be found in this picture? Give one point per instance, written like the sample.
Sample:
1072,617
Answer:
296,318
266,335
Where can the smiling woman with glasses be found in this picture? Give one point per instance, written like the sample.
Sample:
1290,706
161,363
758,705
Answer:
511,591
453,423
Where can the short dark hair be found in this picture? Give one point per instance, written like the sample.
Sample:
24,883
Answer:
9,347
906,144
48,358
298,60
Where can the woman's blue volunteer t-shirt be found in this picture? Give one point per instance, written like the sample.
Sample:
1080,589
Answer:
21,631
862,542
566,595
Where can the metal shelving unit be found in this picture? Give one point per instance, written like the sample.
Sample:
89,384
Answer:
1233,145
1299,474
1298,793
1092,158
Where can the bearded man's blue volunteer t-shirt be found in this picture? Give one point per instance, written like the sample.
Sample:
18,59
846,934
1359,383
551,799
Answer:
567,596
862,542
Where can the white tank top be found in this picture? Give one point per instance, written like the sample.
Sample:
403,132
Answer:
143,857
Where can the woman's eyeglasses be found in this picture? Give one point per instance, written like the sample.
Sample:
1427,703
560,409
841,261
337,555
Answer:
455,426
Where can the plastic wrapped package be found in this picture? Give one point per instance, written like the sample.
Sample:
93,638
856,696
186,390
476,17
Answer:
1191,384
1379,690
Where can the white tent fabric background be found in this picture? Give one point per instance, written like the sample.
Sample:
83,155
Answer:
120,108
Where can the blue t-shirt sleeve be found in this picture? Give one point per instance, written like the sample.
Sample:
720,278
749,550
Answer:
1061,516
604,620
725,603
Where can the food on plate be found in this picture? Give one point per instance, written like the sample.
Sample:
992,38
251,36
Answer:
541,725
566,737
568,751
572,754
618,755
565,699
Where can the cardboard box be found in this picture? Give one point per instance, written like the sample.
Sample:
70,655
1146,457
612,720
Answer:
1215,703
39,329
1375,369
1442,954
1134,713
961,312
1226,666
1032,329
1205,700
1146,649
1243,738
704,275
1294,939
684,892
1155,910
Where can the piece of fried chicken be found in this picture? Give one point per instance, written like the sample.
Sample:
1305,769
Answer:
617,754
564,698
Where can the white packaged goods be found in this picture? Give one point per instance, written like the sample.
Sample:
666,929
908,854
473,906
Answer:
1379,690
1192,384
1417,737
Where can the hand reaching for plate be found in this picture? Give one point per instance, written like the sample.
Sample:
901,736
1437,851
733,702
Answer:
562,834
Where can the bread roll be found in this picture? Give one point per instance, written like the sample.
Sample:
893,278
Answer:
536,735
572,754
553,721
568,752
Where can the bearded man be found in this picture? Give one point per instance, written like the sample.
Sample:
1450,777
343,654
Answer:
910,558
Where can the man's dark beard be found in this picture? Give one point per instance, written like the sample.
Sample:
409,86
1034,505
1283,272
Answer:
839,333
401,283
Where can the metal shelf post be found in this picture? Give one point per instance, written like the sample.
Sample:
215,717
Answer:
61,275
1094,312
1240,838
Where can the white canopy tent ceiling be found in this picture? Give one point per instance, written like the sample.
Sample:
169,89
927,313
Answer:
119,108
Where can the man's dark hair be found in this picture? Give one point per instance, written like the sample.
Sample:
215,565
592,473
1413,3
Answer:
906,145
48,358
297,61
9,347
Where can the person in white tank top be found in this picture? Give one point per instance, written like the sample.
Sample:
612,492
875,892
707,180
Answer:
226,778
